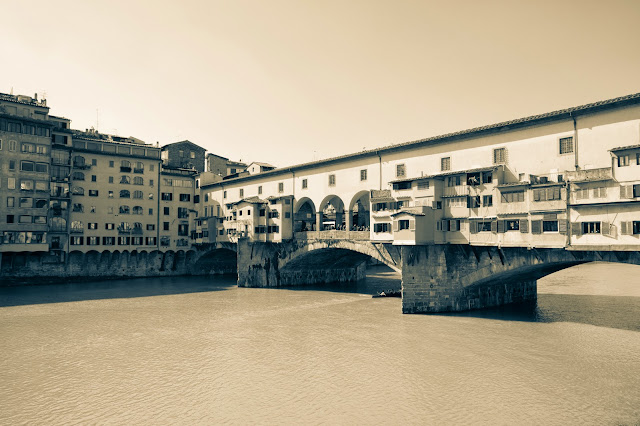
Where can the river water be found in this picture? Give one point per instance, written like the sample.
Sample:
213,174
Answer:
202,351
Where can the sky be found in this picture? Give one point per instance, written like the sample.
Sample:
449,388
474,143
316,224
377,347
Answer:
292,81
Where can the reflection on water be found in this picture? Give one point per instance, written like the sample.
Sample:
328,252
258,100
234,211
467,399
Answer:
202,351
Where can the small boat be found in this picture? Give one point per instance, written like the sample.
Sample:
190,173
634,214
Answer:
388,293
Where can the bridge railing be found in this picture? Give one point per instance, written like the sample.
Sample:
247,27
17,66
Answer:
333,234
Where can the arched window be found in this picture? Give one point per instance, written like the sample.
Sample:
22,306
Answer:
124,193
125,163
138,180
77,190
58,224
77,226
124,209
125,179
138,194
40,203
137,210
78,161
77,176
124,226
139,168
137,225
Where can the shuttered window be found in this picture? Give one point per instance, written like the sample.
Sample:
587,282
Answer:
536,226
524,226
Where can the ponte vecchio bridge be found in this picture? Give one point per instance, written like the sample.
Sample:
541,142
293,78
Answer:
471,219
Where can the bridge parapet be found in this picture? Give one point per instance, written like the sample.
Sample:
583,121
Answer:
333,234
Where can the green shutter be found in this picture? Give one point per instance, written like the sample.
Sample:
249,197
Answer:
524,226
536,226
562,226
576,228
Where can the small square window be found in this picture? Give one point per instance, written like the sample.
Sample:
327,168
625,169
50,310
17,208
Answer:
400,170
93,178
111,164
445,164
566,145
623,160
110,179
304,183
332,180
499,156
94,162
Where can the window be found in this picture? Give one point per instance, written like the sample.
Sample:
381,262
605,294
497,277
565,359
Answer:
473,202
332,180
151,167
591,227
10,201
183,230
165,226
166,211
124,241
484,226
108,241
550,226
454,181
185,197
111,164
623,160
125,193
77,176
25,219
151,227
150,212
139,168
192,155
26,202
499,155
400,170
381,227
513,197
363,174
445,164
92,225
512,225
566,145
224,194
137,210
150,182
94,162
487,177
27,166
166,196
423,185
150,241
76,241
547,194
138,194
77,190
183,212
304,184
110,179
138,180
108,226
487,200
125,166
13,145
93,193
11,183
93,178
10,218
125,179
124,210
401,186
281,187
259,191
241,192
110,194
403,224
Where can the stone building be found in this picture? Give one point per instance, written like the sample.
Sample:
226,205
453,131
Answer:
183,155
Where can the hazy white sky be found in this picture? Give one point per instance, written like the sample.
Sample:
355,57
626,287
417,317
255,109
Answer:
287,81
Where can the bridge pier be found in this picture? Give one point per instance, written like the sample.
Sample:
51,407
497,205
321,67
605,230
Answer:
451,278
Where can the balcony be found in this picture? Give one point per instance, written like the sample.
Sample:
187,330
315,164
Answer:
77,230
455,191
137,170
125,169
605,173
81,166
124,231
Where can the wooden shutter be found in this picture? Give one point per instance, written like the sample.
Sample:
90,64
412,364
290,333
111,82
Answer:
501,226
605,228
494,226
562,226
536,226
556,193
576,228
473,227
412,225
550,193
536,195
626,191
524,226
625,228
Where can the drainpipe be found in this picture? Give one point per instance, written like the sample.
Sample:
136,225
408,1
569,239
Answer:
379,169
575,140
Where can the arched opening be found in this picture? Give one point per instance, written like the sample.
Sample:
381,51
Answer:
332,211
217,262
304,215
340,269
359,211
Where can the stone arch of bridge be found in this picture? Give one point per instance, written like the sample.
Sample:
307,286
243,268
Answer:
221,258
337,248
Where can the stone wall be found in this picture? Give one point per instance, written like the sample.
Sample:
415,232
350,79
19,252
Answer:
443,278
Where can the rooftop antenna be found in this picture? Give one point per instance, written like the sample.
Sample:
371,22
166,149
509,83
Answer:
97,119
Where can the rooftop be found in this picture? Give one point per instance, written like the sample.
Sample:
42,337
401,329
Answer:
510,125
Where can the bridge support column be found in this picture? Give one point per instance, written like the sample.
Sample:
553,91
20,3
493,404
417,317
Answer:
318,222
450,278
